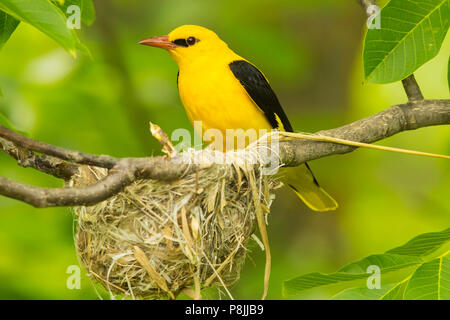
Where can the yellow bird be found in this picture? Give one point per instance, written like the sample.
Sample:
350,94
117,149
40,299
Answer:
224,91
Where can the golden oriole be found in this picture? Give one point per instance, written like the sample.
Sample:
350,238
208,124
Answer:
225,91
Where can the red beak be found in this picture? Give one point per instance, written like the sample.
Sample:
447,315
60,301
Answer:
159,42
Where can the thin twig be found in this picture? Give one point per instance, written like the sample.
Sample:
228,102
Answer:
316,137
58,152
50,165
412,89
382,125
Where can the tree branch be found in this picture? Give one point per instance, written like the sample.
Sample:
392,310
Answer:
416,114
46,164
382,125
58,152
412,88
123,174
410,116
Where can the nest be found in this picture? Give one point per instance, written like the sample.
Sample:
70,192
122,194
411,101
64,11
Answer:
155,239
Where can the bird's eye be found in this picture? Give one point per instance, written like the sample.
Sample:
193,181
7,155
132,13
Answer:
191,41
186,42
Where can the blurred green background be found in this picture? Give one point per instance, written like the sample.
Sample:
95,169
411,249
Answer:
311,52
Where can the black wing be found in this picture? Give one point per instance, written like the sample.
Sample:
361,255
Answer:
261,93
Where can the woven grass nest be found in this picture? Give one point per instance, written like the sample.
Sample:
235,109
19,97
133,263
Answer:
155,239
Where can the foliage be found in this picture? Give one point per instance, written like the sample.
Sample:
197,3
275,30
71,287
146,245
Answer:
81,108
7,26
4,121
411,34
429,280
86,7
46,16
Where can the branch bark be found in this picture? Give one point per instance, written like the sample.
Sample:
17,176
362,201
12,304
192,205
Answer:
412,88
63,163
46,164
389,122
124,171
58,152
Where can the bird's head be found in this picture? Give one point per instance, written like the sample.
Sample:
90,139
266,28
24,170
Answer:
188,43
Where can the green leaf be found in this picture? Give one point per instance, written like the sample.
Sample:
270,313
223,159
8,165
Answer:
386,263
86,6
45,16
396,292
87,12
431,281
7,26
411,34
387,292
4,121
423,244
353,271
362,293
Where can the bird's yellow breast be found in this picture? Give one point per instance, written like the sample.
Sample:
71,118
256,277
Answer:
211,94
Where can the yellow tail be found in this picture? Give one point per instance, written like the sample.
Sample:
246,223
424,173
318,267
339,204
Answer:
302,181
